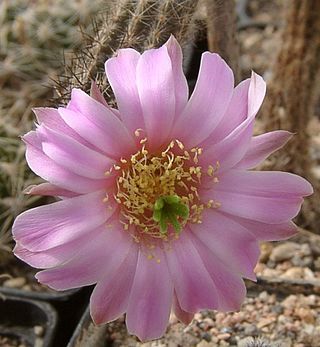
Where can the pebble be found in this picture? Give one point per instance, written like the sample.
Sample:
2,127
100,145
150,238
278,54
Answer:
225,336
294,272
265,321
204,343
251,330
38,330
284,251
17,282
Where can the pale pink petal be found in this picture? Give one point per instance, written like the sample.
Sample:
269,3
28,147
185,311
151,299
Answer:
110,297
155,84
232,244
47,169
121,73
192,283
48,189
262,146
51,225
180,82
72,155
265,209
51,118
267,197
231,149
98,257
150,298
96,94
57,255
120,141
208,101
183,316
263,183
235,114
267,232
88,130
230,288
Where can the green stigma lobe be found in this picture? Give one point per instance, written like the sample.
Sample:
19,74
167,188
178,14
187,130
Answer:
167,209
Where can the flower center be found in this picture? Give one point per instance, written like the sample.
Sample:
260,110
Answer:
158,193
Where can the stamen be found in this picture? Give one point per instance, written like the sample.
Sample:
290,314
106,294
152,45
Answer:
158,194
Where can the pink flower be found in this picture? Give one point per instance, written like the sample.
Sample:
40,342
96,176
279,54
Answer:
158,204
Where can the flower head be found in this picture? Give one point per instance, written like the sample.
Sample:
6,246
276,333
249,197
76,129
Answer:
158,204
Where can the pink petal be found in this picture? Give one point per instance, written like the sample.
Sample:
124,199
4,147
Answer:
229,242
121,73
262,146
264,183
193,285
120,142
157,94
48,189
180,81
57,255
260,208
208,101
231,149
47,169
110,297
51,225
267,232
96,258
97,95
235,114
183,316
230,288
267,197
150,298
51,118
73,155
88,130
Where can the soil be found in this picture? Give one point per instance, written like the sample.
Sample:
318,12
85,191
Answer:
8,341
16,274
291,321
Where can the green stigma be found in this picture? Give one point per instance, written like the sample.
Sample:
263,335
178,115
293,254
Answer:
167,209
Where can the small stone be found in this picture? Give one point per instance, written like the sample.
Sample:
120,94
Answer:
263,296
17,282
271,272
294,272
308,274
225,336
317,264
251,330
265,322
305,315
203,343
206,336
265,251
284,251
290,301
38,330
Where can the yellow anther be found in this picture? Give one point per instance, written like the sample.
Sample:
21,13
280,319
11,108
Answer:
146,177
143,140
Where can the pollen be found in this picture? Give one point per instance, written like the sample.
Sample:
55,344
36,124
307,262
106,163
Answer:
145,179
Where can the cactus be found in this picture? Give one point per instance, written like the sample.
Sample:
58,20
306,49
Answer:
222,32
140,24
32,37
293,94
